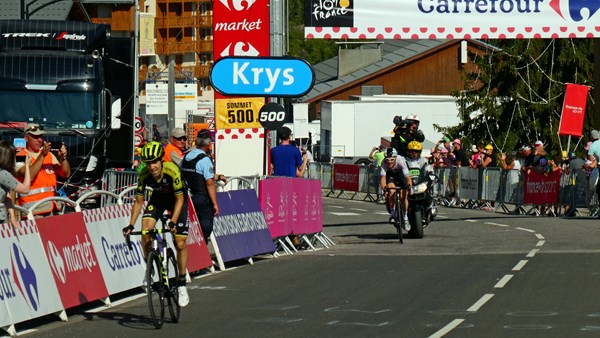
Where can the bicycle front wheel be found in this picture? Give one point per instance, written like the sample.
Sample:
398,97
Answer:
155,289
172,275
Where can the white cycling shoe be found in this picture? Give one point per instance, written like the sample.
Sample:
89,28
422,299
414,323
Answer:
406,223
184,298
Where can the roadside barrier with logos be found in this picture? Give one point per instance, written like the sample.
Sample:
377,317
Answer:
552,194
54,263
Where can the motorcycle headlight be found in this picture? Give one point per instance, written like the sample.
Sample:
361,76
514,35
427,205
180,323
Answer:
419,188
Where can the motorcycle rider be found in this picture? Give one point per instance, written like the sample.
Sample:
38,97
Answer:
418,167
394,173
406,132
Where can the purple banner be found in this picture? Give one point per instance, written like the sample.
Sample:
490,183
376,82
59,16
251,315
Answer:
240,229
291,205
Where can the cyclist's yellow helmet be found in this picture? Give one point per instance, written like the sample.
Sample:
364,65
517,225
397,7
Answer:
416,148
415,145
152,152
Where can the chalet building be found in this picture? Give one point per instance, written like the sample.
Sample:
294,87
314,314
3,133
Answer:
426,67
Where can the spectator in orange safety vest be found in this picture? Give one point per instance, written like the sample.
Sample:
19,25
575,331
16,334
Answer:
175,148
44,167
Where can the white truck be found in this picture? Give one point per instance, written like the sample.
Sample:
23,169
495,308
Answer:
350,129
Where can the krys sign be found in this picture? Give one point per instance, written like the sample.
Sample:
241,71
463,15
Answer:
262,76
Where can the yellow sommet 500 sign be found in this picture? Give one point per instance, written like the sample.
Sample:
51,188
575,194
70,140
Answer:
238,113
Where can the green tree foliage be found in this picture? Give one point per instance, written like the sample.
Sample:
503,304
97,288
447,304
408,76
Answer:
515,94
311,50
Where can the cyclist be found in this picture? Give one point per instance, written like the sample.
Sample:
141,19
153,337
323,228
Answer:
169,192
394,173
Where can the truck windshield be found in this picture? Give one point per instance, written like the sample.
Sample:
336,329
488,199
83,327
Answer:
54,109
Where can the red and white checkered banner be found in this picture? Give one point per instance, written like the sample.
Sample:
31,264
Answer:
441,19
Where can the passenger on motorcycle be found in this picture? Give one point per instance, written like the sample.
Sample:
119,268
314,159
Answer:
394,173
418,166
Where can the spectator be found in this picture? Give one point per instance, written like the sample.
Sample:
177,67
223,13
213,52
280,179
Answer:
176,146
460,157
489,159
156,134
9,183
377,155
509,163
477,159
286,159
304,151
43,168
198,169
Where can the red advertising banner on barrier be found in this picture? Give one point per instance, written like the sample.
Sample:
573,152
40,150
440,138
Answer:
542,189
72,258
198,255
345,177
573,112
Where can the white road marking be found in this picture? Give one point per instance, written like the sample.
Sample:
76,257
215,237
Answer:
336,206
337,322
520,265
498,224
358,209
478,304
344,213
502,282
446,329
540,243
471,220
441,216
337,309
532,252
528,230
539,236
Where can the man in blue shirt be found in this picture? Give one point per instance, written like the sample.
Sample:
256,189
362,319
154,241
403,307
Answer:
198,170
286,159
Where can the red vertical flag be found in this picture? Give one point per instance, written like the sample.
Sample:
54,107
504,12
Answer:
571,120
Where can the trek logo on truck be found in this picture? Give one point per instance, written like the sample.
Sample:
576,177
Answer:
57,36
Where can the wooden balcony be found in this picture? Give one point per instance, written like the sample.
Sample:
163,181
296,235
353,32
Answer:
181,73
171,48
200,21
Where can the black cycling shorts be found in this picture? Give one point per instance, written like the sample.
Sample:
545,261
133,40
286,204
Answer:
156,208
396,177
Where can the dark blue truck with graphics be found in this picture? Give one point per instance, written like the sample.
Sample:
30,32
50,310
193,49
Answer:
77,82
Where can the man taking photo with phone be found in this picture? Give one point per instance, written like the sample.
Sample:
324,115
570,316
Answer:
44,167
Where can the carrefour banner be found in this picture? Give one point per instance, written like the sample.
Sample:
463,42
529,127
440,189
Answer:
27,289
451,19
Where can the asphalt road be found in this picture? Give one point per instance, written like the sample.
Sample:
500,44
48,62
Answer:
475,274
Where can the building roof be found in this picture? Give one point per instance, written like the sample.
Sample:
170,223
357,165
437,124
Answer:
393,53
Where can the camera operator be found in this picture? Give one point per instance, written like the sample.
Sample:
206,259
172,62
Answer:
406,131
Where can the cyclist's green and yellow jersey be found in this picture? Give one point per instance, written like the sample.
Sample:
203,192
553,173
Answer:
170,185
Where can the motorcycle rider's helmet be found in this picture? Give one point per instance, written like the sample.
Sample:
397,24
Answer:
152,152
413,118
390,154
414,149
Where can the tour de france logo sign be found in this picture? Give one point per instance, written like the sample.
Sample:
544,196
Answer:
329,13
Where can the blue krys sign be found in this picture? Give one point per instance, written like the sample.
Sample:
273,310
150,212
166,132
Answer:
262,76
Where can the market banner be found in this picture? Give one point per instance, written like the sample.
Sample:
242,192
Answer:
573,112
72,258
437,19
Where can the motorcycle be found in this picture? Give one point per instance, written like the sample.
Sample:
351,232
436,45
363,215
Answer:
421,208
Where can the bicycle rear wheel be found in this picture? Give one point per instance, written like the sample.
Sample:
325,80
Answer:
155,289
173,295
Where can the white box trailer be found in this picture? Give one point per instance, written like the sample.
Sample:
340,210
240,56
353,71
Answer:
350,129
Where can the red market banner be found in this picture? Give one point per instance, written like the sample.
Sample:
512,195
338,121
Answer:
542,188
573,113
72,258
345,177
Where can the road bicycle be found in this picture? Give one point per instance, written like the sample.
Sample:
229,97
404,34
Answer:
161,274
397,218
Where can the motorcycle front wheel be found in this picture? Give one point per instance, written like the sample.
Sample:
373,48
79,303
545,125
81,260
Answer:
416,224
